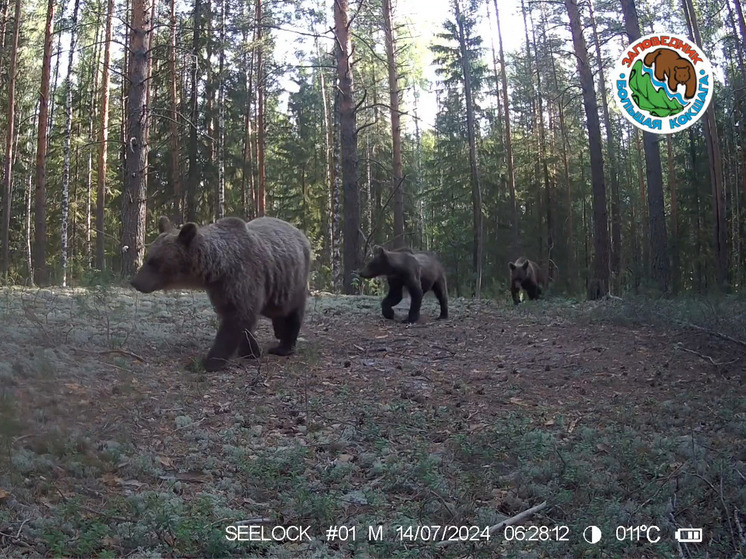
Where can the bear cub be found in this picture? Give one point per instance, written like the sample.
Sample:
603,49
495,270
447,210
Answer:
247,269
418,272
527,275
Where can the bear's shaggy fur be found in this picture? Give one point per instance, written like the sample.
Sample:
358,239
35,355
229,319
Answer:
671,66
247,269
527,275
418,272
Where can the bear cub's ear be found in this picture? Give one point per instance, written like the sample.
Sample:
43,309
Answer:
187,233
525,265
164,224
512,265
379,251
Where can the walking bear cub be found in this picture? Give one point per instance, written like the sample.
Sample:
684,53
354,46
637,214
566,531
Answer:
418,272
527,275
247,269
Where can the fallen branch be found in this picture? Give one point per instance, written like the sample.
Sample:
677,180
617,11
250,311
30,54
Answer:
703,356
507,522
716,334
106,351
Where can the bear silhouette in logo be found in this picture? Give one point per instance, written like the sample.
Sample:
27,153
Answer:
671,67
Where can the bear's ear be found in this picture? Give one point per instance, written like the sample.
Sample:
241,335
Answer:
379,251
164,224
525,265
511,265
187,233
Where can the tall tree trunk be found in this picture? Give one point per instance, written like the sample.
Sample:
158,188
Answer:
476,186
329,141
398,186
194,169
103,147
616,214
261,85
712,142
177,212
92,140
134,194
247,173
40,193
599,284
221,115
68,134
514,236
8,170
675,250
644,267
548,203
348,144
660,266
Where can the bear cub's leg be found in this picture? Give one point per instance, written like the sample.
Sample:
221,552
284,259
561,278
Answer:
393,298
287,329
226,341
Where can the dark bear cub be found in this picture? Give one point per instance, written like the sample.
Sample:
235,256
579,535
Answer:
247,269
418,272
527,275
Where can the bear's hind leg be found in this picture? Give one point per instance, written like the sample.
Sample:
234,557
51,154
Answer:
441,293
393,298
287,329
226,341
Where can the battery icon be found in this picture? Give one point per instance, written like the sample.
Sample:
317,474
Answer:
688,535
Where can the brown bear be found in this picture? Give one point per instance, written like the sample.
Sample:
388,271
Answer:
418,272
247,269
527,275
669,65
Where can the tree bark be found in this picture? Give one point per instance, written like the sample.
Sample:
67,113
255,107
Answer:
134,194
659,265
348,144
221,115
8,170
599,283
398,186
675,251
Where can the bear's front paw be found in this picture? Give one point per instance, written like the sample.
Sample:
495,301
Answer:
281,349
410,320
443,316
212,364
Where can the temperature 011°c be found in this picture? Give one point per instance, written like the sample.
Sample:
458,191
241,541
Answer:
637,533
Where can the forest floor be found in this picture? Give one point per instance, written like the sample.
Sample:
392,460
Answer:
616,413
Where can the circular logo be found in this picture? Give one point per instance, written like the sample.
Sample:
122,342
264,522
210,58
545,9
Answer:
663,83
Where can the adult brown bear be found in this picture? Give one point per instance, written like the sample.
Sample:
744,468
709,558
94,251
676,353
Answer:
669,65
527,275
418,272
247,269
